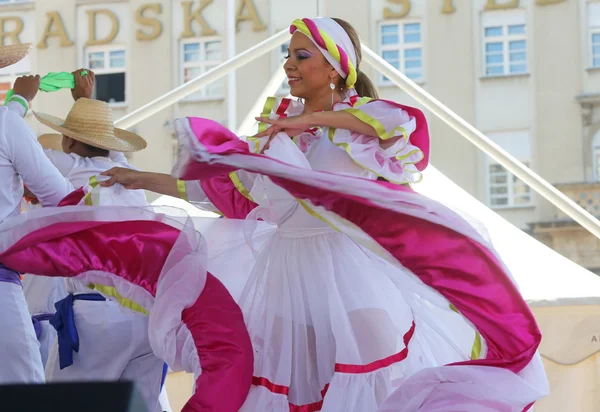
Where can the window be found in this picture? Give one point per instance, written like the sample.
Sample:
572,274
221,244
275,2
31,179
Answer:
401,45
505,44
504,189
109,65
596,155
284,89
198,57
594,33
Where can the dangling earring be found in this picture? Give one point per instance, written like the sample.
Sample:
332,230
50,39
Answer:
332,87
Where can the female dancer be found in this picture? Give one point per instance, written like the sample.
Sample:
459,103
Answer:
362,288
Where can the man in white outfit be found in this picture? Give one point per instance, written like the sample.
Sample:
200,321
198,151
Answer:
22,161
112,332
41,292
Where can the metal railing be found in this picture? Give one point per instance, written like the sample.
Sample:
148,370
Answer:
545,189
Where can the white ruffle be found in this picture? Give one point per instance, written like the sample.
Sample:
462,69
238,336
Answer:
180,282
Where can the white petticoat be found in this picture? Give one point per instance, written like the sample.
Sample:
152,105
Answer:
333,326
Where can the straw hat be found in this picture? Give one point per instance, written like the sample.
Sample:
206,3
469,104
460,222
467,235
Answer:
51,141
90,122
12,54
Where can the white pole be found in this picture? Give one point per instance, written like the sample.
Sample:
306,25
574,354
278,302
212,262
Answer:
321,8
196,84
268,91
538,184
231,83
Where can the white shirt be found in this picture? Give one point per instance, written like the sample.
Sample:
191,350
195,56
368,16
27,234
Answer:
22,159
79,170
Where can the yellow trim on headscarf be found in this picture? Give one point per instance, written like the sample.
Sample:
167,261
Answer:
331,49
181,190
111,291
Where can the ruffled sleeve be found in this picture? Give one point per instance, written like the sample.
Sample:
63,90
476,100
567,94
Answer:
399,163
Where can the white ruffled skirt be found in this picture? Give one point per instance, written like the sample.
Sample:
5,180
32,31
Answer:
333,326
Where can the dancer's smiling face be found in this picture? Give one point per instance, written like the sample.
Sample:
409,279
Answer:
309,73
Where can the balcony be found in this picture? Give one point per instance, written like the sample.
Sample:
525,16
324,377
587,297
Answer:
566,236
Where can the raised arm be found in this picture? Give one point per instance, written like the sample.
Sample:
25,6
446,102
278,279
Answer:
25,153
334,120
30,162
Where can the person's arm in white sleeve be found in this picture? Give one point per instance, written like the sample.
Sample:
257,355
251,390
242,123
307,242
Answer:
30,162
18,104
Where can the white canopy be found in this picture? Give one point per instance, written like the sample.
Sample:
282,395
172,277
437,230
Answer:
564,297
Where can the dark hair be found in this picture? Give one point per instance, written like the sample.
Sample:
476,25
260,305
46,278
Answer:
364,86
95,151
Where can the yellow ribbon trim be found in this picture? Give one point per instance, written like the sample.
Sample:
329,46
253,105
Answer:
314,214
331,49
240,186
87,199
476,349
111,291
346,147
262,126
181,190
377,125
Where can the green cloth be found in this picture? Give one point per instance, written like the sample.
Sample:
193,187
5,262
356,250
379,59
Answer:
53,82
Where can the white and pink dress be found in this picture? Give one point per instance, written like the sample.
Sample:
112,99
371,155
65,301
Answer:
356,291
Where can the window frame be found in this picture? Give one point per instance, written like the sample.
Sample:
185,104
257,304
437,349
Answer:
596,156
401,48
504,20
107,49
511,182
591,31
510,138
200,95
13,2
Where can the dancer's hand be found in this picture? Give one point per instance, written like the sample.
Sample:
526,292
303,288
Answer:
131,179
292,126
84,85
29,196
27,86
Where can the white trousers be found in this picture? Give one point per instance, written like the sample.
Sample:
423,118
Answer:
20,360
113,345
47,339
163,399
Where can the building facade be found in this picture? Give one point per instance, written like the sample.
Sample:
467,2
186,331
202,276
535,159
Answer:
524,72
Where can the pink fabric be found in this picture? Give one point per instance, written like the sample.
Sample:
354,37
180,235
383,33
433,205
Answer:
223,194
463,271
215,182
73,198
466,273
136,251
223,349
419,138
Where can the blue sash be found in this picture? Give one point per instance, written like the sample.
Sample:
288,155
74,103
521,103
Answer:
64,323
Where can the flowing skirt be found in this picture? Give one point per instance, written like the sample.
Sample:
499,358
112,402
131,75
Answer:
362,296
